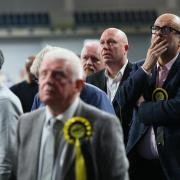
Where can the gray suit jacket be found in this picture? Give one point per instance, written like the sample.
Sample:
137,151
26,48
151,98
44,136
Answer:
107,159
10,110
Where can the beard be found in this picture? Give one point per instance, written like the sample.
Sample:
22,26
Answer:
89,71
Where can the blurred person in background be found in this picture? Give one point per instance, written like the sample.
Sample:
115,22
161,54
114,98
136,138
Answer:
10,110
90,57
89,94
26,89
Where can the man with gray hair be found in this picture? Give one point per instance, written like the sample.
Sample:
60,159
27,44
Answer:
10,109
89,94
68,139
90,57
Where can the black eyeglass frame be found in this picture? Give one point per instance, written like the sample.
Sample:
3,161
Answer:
165,30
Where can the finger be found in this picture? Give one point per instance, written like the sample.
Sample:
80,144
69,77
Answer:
155,41
157,46
158,40
157,53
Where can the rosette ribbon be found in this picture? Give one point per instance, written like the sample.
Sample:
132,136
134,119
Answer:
76,129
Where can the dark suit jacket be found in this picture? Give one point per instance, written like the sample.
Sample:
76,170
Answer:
105,148
25,92
165,113
99,79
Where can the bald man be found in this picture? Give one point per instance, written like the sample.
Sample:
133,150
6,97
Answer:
90,58
113,51
153,143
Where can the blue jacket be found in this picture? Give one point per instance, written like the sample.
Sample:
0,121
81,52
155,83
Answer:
89,94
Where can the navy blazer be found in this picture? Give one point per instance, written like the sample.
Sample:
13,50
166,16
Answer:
164,113
99,79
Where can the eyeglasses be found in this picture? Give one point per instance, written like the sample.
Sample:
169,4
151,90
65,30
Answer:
165,30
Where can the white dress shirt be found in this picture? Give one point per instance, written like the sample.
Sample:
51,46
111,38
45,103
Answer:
113,83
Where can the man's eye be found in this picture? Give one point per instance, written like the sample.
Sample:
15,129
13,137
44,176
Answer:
95,60
59,75
85,58
112,42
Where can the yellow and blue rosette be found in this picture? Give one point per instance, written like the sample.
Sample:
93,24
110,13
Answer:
75,129
159,94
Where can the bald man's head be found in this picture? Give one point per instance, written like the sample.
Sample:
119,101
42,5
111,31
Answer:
114,48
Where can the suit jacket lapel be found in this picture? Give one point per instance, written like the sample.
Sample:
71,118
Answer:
174,69
66,154
35,142
102,81
126,72
124,77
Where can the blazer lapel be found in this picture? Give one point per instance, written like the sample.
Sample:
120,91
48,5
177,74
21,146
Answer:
65,160
35,142
115,101
173,71
127,71
102,81
66,155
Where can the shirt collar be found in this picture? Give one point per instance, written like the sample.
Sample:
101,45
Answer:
119,74
169,64
65,115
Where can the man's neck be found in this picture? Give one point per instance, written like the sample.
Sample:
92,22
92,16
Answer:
164,59
113,69
61,107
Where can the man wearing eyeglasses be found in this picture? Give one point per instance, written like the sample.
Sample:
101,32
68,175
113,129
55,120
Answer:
154,90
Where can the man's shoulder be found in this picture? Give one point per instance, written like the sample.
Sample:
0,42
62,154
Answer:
90,88
33,114
94,111
139,62
95,75
19,87
6,95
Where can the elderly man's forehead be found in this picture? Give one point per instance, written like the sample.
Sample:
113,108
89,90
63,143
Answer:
53,62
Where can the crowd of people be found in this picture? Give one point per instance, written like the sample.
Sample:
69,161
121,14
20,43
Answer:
96,116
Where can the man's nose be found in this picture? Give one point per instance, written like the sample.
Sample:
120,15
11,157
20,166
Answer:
89,61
